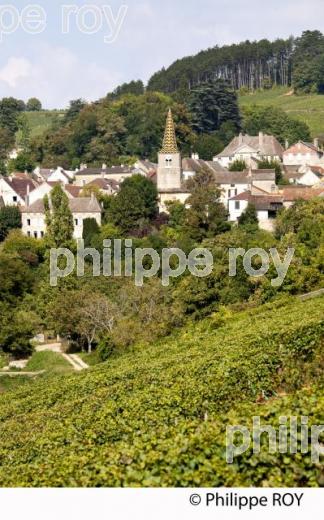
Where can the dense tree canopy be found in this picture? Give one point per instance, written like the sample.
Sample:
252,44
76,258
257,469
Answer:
248,65
10,218
308,62
135,204
107,131
10,108
33,105
59,220
212,104
274,121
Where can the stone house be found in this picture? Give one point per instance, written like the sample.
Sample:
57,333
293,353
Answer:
117,173
301,154
251,149
33,216
13,190
267,207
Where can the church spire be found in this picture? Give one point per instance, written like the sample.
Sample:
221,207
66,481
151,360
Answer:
169,142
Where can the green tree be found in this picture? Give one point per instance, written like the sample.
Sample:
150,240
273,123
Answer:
134,87
127,216
272,165
177,213
7,142
143,207
208,145
33,105
206,215
16,331
249,217
147,190
90,230
10,109
75,107
28,249
16,278
308,62
24,132
10,218
274,121
24,162
3,168
59,219
237,166
212,104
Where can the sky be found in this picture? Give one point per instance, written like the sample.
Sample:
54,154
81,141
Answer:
56,50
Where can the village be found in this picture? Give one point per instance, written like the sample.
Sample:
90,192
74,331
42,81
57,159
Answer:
302,166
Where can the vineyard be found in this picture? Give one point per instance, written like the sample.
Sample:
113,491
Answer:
307,108
157,415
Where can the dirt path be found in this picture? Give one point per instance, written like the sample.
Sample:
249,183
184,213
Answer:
21,373
74,360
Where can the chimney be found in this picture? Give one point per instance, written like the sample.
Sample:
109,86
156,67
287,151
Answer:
286,144
195,156
241,138
104,166
27,196
316,142
261,139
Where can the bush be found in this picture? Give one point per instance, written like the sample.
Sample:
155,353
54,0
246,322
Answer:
10,218
105,349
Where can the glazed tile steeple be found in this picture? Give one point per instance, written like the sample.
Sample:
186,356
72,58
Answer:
169,142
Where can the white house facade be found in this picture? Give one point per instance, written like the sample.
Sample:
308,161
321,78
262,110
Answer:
250,149
33,216
301,154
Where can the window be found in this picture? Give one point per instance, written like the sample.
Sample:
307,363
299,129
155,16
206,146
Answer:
232,185
168,162
14,198
35,234
42,234
28,233
76,222
237,204
235,192
28,222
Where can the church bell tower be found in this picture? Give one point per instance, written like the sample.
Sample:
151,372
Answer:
169,170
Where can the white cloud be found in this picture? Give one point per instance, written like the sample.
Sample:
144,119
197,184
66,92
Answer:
15,70
56,75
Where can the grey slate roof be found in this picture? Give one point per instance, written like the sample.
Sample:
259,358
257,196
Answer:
106,171
263,175
267,145
20,185
77,205
261,202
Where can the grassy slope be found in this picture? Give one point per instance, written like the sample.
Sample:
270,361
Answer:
309,109
39,122
52,363
49,361
157,415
